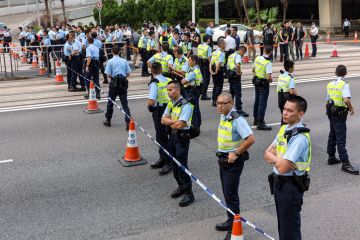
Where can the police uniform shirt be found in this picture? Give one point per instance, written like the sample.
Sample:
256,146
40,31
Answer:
240,128
238,60
209,31
345,90
119,36
52,35
92,52
185,114
117,66
109,37
98,43
221,58
79,45
162,54
67,48
292,80
22,35
62,33
46,41
154,89
144,40
209,51
76,46
59,35
191,76
152,43
7,33
297,150
268,65
81,37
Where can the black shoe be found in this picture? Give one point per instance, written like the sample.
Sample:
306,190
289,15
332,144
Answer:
107,123
73,89
86,96
145,74
98,96
187,199
262,126
166,169
213,104
82,89
158,164
224,226
228,235
346,167
243,113
205,97
332,160
177,193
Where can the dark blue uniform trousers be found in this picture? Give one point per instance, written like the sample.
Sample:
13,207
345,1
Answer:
261,98
76,66
161,134
218,80
235,91
206,77
113,93
194,93
94,75
179,148
337,138
288,201
230,181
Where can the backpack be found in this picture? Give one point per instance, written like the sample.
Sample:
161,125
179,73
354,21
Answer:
269,36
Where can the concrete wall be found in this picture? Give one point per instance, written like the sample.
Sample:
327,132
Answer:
330,13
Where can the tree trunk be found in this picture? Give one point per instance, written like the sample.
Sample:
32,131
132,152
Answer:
246,11
47,12
63,10
285,6
257,3
238,9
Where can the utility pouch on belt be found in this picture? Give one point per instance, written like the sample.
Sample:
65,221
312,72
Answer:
259,81
230,74
213,68
302,182
119,82
223,159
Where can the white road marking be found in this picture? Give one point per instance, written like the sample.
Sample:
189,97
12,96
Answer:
269,124
144,96
6,161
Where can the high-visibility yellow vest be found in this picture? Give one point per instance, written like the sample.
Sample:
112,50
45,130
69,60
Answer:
176,110
216,57
283,83
231,64
282,145
203,51
163,61
162,95
178,65
225,139
198,75
184,46
150,45
334,90
141,43
170,41
161,38
260,66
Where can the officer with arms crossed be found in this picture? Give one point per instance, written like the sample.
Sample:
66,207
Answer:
262,70
235,137
290,156
234,75
118,70
157,101
337,108
217,70
177,117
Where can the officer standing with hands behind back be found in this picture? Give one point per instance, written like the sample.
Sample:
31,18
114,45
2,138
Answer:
235,137
92,67
338,106
118,70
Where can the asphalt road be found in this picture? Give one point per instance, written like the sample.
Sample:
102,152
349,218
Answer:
65,181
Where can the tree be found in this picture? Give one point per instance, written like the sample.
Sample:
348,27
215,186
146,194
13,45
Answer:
237,4
285,4
246,11
46,2
63,9
257,4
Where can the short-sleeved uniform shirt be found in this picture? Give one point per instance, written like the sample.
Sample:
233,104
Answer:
268,66
163,54
117,66
345,90
92,52
67,48
153,89
292,80
185,114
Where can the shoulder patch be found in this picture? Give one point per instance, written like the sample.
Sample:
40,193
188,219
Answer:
233,115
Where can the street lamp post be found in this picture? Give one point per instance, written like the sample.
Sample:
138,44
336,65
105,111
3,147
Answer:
193,11
37,12
216,12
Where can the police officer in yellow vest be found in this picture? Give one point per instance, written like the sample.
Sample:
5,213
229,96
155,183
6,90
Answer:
290,157
233,74
165,59
338,106
217,70
178,116
151,45
285,85
235,137
180,64
262,70
157,102
191,82
204,54
143,41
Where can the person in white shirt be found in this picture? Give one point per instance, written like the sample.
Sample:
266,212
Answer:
346,27
230,44
314,36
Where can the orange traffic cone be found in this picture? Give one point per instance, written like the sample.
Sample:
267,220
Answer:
92,106
24,58
42,70
34,61
59,79
328,40
307,53
132,154
237,231
355,37
334,53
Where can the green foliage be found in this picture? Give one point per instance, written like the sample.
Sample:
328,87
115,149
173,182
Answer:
252,15
273,14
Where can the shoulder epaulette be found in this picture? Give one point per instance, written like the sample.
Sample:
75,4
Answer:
233,115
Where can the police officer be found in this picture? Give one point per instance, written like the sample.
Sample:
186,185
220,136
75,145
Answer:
151,45
285,85
102,59
118,70
46,49
262,70
142,45
234,72
338,106
180,64
177,117
67,60
192,82
92,67
235,137
217,70
290,156
204,53
157,101
165,59
76,64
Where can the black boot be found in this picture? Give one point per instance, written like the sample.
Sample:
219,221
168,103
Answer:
347,167
205,97
332,160
158,164
187,199
224,226
165,169
177,193
262,126
107,122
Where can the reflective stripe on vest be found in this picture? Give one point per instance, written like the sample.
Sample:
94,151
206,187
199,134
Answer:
141,43
170,41
178,65
231,62
216,57
334,90
225,138
283,83
175,112
163,61
162,95
260,67
148,45
198,76
281,148
203,51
